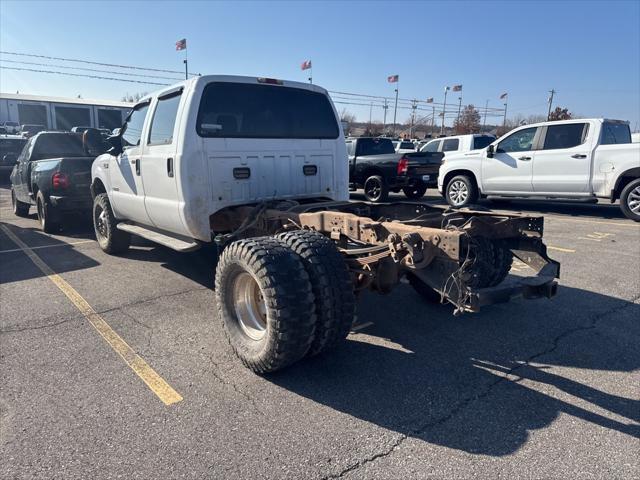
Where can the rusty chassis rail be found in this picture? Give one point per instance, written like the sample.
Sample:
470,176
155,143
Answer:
382,243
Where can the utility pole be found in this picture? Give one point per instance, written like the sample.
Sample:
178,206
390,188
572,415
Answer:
370,110
459,106
433,119
551,93
504,120
395,111
414,106
486,107
444,109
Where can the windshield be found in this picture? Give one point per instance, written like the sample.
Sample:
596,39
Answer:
375,146
407,145
56,145
11,145
242,110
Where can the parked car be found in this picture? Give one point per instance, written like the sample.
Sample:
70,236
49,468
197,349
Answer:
53,172
458,143
256,166
405,146
375,167
29,130
10,148
11,127
572,159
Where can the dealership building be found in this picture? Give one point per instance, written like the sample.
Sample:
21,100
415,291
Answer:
59,113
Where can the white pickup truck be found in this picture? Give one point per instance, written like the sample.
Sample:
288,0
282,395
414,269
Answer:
570,159
259,167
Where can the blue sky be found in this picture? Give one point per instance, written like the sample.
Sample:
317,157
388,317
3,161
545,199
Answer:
588,51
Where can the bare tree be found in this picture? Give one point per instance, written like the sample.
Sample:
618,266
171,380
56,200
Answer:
133,98
468,121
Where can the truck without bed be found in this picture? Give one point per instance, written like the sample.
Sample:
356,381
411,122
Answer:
259,167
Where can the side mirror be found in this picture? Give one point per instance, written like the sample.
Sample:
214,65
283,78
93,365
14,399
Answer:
116,145
490,151
10,158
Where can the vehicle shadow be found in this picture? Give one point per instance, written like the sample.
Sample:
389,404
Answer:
423,373
16,266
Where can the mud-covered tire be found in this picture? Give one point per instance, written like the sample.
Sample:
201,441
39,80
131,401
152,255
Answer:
110,239
415,192
331,285
461,191
489,262
47,216
265,274
376,189
424,290
20,209
630,200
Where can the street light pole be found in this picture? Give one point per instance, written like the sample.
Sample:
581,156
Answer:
395,111
486,107
504,121
384,122
444,109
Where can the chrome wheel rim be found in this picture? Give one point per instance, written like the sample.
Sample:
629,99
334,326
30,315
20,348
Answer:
633,200
458,192
249,306
373,189
100,221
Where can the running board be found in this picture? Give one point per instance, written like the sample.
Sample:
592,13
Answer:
180,244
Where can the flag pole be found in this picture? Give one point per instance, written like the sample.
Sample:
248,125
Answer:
186,64
444,109
395,110
311,73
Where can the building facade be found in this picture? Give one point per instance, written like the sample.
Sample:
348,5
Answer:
59,113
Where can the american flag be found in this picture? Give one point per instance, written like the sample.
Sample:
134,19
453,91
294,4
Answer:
306,65
393,78
457,88
181,44
430,100
503,96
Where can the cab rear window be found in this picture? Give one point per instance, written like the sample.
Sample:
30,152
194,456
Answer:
241,110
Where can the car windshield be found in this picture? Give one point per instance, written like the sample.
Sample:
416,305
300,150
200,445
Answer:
58,145
243,110
407,145
11,145
375,146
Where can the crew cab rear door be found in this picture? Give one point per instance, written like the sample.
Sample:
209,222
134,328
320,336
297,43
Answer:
267,140
563,164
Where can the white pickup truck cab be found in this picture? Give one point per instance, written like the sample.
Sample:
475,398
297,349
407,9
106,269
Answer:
571,159
458,143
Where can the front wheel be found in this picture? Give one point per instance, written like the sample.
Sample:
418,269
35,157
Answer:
461,191
416,191
110,239
20,209
630,200
46,215
376,189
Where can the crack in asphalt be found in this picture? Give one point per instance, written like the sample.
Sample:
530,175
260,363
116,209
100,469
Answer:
39,327
555,343
235,387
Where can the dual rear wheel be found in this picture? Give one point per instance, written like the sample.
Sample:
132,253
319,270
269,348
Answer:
281,298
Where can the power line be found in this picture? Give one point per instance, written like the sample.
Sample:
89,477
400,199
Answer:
88,69
89,62
81,75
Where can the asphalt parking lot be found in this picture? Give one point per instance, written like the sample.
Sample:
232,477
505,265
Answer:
529,389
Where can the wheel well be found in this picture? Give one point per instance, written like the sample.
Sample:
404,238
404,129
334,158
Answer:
97,187
623,181
370,172
455,173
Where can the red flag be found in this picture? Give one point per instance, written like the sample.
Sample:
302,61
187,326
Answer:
503,96
430,100
456,88
306,65
181,44
393,78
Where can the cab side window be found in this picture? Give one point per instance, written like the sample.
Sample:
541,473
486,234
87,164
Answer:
133,126
565,136
451,145
521,141
164,120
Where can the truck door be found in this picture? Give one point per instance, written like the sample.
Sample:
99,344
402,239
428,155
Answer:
563,165
159,164
511,167
127,195
22,173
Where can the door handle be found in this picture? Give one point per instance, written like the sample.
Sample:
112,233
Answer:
137,162
524,158
578,155
170,167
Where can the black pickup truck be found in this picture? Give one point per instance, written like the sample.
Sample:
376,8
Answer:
53,172
375,167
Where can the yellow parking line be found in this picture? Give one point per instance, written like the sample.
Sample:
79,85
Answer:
155,382
597,222
560,249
